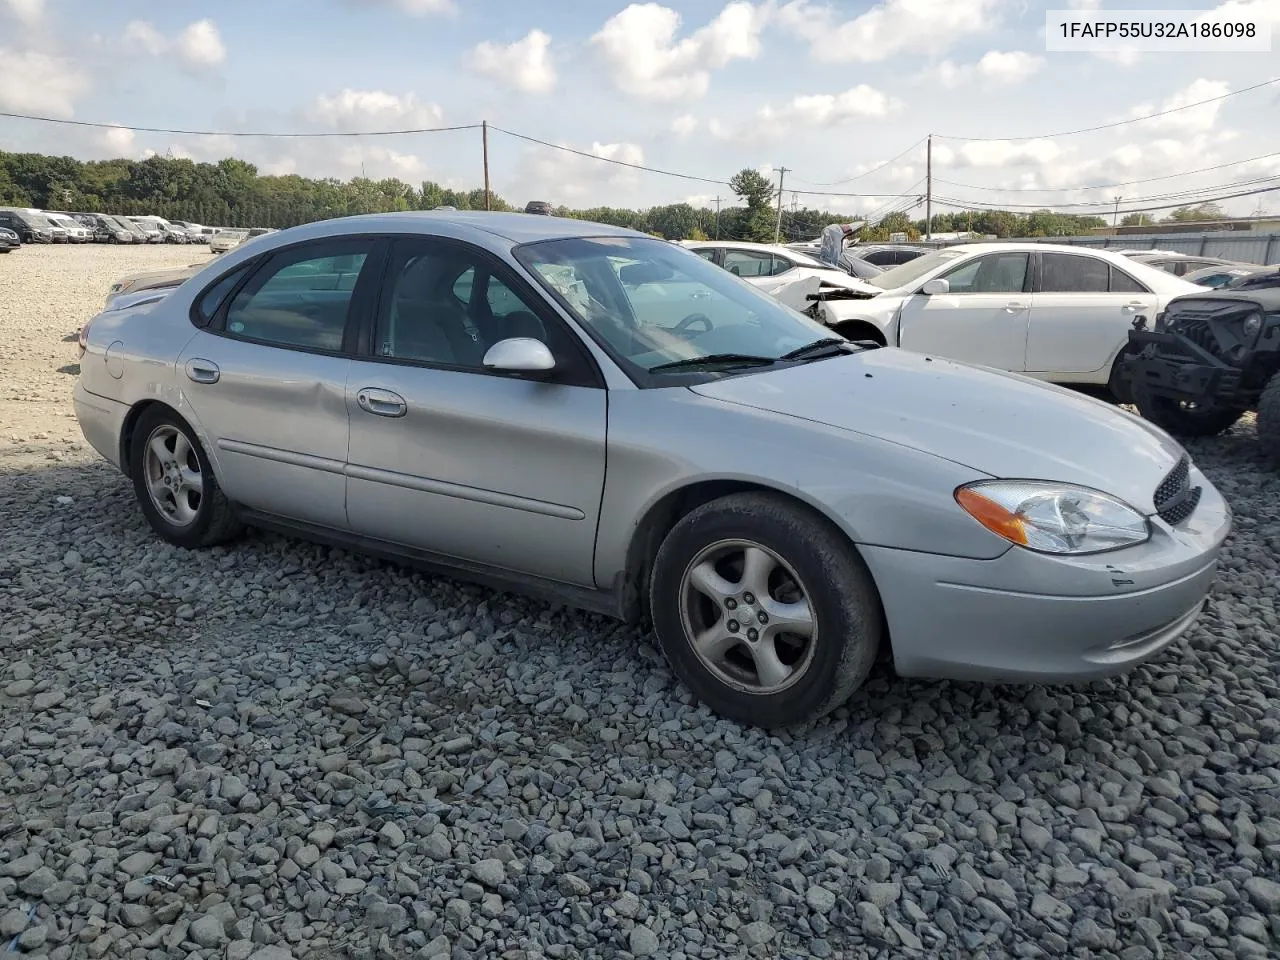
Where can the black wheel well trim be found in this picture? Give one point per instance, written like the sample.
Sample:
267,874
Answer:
136,413
671,507
857,323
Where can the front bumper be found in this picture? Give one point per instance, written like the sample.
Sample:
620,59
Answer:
101,422
1029,617
1167,365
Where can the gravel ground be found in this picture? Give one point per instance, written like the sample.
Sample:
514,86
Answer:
280,750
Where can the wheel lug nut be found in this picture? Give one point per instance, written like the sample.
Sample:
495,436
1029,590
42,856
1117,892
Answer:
733,626
748,598
762,617
752,635
731,604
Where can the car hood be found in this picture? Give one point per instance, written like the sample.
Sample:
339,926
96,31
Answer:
1000,424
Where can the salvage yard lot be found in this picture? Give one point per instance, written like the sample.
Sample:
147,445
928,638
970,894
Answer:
277,743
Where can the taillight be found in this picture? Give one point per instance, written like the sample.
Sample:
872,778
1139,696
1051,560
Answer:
82,338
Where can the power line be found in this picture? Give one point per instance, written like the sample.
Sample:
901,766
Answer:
1185,196
1109,186
865,173
962,205
299,134
596,156
1118,123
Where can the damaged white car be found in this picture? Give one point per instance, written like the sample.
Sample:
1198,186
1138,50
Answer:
1055,313
789,275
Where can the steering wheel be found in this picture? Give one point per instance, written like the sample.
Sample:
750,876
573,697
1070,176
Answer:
693,318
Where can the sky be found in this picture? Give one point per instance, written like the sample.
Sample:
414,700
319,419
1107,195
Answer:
841,94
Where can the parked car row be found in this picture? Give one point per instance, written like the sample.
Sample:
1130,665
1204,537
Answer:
62,226
783,505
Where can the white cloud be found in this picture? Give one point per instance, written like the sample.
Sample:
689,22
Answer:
560,177
118,140
28,12
1000,153
377,162
373,109
1193,120
144,35
1244,11
34,82
684,125
995,67
198,47
889,28
200,44
640,48
525,65
415,8
809,111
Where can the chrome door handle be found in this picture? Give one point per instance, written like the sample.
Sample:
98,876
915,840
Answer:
1015,307
202,371
1130,307
703,295
381,403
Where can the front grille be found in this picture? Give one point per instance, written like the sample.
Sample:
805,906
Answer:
1175,499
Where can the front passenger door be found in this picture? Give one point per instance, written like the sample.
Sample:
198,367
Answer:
449,458
983,317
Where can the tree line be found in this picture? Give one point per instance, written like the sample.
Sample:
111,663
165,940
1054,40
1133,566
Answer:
233,193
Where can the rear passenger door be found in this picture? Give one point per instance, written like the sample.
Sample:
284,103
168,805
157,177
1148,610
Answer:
1081,315
266,375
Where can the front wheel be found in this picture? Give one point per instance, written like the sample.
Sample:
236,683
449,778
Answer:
175,485
764,611
1183,418
1269,420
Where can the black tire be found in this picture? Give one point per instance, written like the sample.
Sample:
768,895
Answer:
841,596
1269,420
1119,388
1181,421
214,520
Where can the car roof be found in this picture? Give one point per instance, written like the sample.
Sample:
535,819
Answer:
516,228
1268,298
1239,269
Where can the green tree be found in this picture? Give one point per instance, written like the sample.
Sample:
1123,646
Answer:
1205,211
758,191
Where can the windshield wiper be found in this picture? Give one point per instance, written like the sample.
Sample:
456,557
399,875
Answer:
826,346
738,359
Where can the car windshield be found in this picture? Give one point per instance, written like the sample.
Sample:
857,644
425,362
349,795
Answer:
652,304
911,271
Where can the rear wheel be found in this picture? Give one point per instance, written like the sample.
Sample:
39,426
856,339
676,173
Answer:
1184,418
765,612
175,485
1269,420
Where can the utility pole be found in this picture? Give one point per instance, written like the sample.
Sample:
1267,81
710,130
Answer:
719,200
484,134
777,227
1115,217
928,189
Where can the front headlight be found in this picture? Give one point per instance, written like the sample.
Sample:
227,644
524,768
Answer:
1252,324
1052,517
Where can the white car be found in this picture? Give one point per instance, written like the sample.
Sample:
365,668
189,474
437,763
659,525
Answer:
1055,313
77,232
765,264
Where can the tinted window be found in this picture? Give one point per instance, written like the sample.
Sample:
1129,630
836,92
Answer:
443,305
706,253
207,304
1067,273
748,263
300,298
1121,282
994,273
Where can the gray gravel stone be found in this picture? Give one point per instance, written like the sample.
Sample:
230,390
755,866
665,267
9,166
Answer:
273,750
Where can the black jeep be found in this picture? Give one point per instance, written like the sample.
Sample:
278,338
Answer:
1210,358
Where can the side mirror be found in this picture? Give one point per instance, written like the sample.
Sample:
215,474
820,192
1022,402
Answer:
933,288
519,355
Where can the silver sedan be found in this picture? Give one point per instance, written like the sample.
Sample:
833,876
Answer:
607,420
